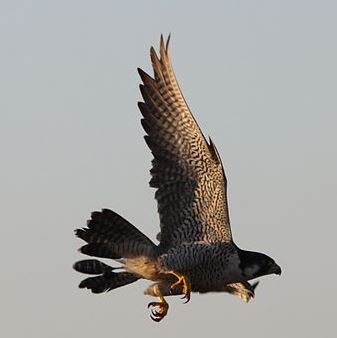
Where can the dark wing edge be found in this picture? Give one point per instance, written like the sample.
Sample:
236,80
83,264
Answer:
183,160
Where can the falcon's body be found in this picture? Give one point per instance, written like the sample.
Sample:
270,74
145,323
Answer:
196,250
208,266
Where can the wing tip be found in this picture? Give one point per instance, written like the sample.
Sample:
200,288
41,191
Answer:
164,45
168,41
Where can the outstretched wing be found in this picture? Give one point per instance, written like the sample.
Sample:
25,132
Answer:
186,169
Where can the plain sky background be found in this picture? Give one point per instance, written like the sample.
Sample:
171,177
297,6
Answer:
260,77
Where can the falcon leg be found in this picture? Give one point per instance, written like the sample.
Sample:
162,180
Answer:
161,307
185,283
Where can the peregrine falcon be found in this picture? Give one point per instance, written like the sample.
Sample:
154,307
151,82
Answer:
196,252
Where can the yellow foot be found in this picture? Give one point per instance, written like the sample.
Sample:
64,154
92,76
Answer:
183,280
162,307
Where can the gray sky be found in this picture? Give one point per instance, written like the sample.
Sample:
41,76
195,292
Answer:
260,77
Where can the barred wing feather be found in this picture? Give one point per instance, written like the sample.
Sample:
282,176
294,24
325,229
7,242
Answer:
186,169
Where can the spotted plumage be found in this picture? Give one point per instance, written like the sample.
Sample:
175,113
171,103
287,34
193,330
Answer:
196,252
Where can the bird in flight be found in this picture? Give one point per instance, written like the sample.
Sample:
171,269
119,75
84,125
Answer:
196,251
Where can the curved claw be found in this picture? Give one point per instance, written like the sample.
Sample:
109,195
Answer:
183,280
187,296
158,315
156,319
155,313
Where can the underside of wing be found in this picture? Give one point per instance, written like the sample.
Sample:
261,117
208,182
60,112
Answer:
186,169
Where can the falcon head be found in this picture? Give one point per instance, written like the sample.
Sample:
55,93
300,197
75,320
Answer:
255,264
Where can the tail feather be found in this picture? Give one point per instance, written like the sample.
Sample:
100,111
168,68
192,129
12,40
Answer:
99,250
111,236
107,279
92,267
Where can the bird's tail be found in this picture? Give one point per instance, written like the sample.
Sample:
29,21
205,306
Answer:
109,235
106,278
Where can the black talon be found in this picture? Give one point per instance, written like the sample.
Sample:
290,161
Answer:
159,310
187,297
156,319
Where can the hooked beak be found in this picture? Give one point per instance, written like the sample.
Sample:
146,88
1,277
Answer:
275,269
